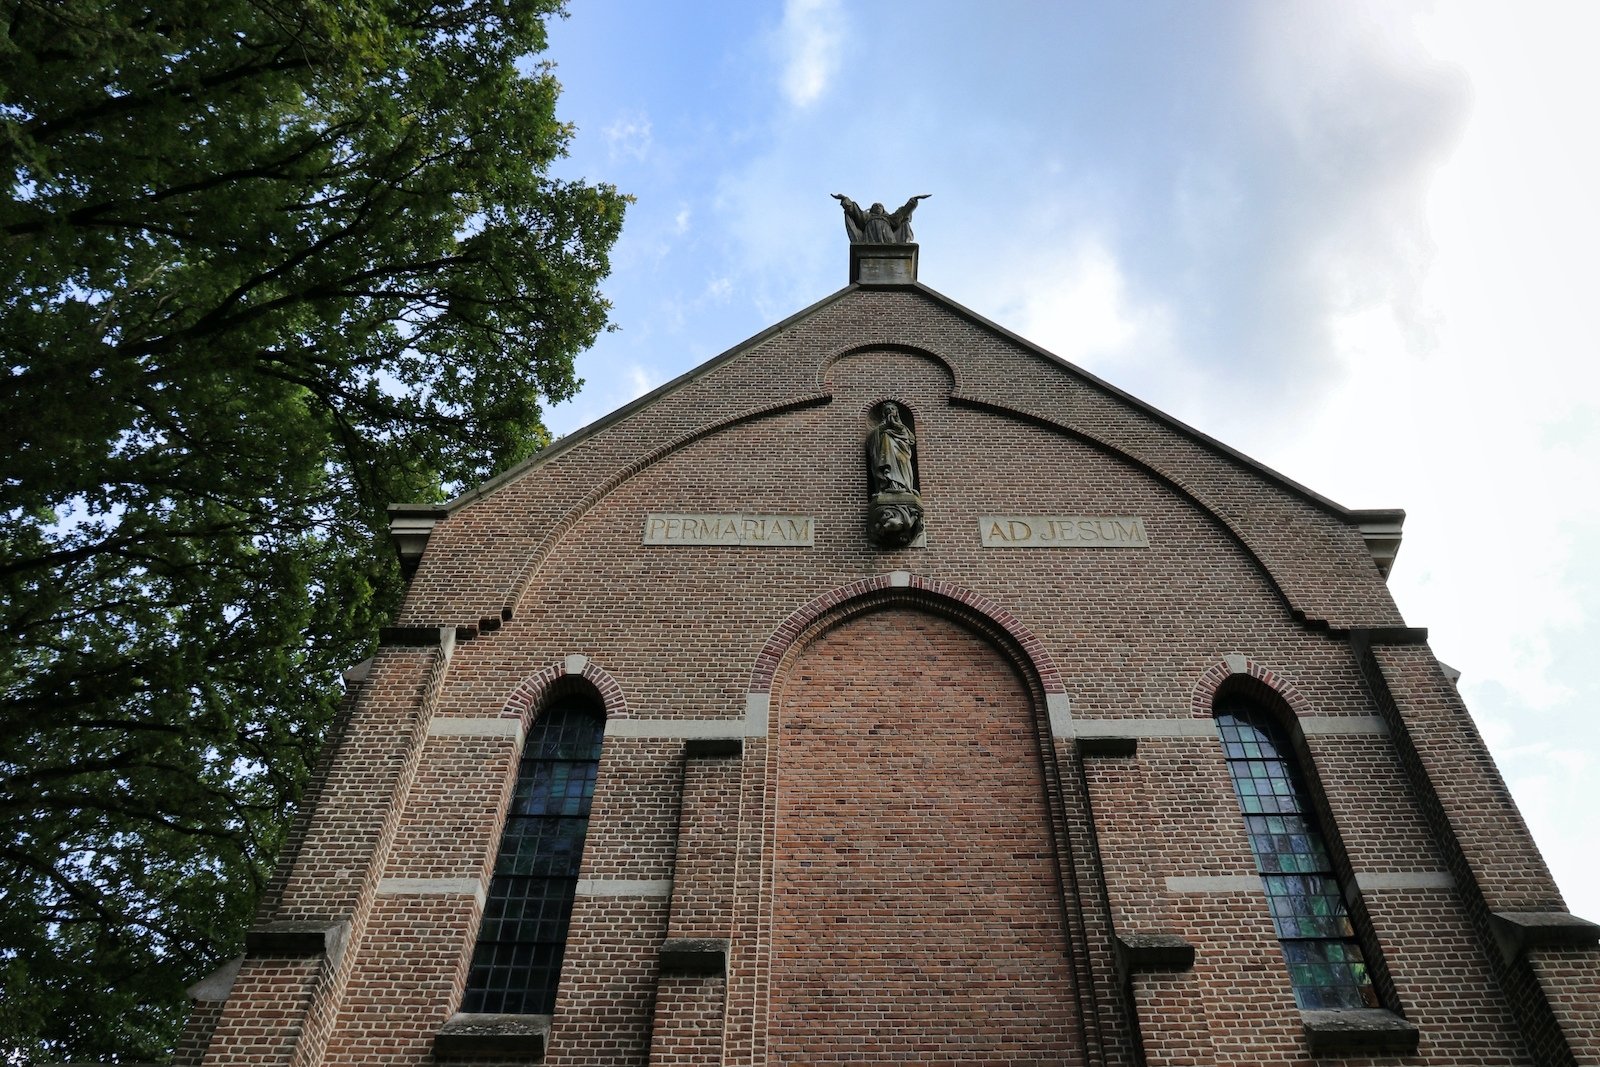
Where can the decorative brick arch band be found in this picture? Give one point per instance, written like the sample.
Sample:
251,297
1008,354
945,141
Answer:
1234,669
903,587
573,515
576,671
1192,494
825,369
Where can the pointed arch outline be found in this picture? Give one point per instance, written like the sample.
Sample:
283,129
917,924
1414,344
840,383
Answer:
1235,670
847,601
826,367
1083,904
575,671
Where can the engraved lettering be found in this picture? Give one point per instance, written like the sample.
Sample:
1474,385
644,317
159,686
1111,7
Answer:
760,531
1062,531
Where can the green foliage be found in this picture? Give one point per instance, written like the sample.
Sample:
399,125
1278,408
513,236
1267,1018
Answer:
264,267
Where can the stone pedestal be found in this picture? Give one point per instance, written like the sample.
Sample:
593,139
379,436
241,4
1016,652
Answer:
883,264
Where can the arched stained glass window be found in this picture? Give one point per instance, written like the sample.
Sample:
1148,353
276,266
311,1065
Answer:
523,937
1326,966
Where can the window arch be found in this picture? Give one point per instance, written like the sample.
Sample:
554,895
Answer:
1326,965
521,942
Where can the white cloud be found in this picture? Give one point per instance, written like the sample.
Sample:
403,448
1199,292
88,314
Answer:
1465,388
1076,304
640,380
810,40
680,221
629,136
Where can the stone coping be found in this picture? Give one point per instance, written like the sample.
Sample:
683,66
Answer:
695,955
473,1036
1359,1032
1141,953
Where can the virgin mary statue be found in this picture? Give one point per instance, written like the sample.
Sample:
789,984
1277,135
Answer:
889,450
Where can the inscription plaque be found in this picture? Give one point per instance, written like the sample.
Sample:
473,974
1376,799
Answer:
762,531
1062,531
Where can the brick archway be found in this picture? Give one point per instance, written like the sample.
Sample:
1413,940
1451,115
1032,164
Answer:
533,692
1235,670
981,613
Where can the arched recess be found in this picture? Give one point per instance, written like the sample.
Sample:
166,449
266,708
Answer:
829,365
866,594
925,844
1241,683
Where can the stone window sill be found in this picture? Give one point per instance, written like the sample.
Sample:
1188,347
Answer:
476,1036
1359,1032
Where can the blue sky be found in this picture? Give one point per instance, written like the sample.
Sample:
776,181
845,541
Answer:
1356,241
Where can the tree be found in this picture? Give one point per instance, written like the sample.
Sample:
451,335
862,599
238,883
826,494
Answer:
265,267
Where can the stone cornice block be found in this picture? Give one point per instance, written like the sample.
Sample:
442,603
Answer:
713,747
1359,1032
291,938
695,955
474,1036
1146,953
1519,931
1090,745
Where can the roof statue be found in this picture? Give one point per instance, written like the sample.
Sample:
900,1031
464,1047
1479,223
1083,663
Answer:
876,226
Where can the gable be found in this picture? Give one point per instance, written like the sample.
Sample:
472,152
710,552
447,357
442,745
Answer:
485,548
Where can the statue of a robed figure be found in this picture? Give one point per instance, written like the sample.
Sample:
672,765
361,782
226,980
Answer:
876,225
894,508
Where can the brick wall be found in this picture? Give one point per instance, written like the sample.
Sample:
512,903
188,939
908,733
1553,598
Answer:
961,884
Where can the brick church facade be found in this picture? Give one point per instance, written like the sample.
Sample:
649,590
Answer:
887,690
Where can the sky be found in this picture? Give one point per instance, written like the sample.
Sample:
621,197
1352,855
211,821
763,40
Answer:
1356,241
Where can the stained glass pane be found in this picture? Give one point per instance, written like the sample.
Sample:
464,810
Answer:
517,962
1308,910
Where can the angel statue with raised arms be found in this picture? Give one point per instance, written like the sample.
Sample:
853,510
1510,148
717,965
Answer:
876,226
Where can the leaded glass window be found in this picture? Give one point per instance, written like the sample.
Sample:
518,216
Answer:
523,937
1326,966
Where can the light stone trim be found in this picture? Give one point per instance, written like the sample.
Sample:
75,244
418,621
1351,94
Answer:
678,728
1143,728
218,984
1369,882
433,887
899,579
1062,531
477,726
1059,707
1379,880
1214,883
575,664
1310,725
729,529
1342,725
625,887
1237,663
756,707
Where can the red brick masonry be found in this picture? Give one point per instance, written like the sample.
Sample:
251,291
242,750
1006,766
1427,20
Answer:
946,804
